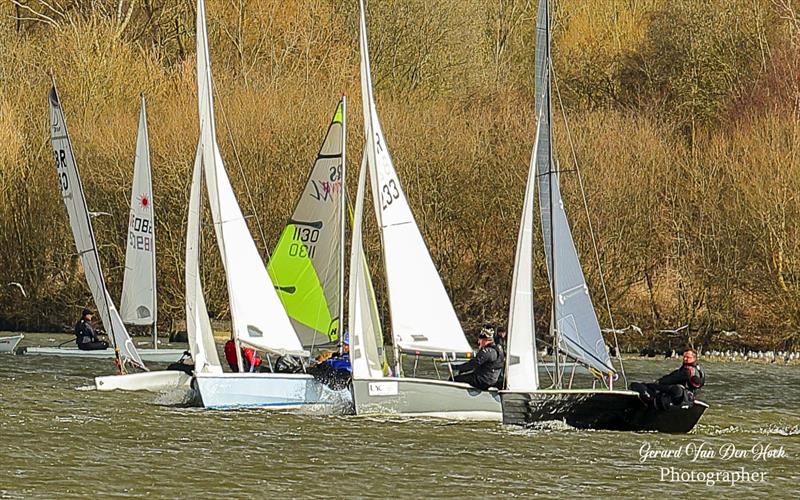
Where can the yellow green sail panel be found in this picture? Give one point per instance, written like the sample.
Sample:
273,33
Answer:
306,264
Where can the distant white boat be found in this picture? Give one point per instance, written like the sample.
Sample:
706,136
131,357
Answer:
138,305
149,355
9,344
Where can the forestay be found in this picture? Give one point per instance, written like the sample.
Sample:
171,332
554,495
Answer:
366,337
522,373
306,264
198,326
257,314
81,225
423,318
138,304
578,329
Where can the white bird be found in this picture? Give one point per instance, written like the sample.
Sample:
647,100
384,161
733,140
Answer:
18,285
98,214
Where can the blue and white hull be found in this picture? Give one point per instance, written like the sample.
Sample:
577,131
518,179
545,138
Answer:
277,391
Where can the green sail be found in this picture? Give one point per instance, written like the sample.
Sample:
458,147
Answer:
305,266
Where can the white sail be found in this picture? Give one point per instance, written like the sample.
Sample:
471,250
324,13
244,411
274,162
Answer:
198,326
366,337
578,330
138,304
257,315
423,318
522,373
81,224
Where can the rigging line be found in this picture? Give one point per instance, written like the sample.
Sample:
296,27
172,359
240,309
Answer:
241,171
591,228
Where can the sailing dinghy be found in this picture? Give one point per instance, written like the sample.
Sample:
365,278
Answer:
424,322
574,324
124,352
258,318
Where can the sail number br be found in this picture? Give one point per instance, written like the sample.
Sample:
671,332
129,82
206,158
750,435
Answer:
61,169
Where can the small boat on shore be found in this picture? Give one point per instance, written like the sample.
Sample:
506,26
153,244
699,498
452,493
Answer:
8,345
148,355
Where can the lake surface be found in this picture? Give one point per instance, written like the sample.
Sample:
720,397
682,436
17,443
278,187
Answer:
58,440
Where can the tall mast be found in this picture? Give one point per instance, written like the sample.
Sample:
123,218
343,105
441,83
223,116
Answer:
550,179
153,253
342,220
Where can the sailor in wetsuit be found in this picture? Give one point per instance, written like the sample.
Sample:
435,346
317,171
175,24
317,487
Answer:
85,336
484,370
675,388
334,369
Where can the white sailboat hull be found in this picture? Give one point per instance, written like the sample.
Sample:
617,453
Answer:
278,391
425,398
155,381
149,355
8,344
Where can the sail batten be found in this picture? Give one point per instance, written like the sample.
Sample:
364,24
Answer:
80,222
138,303
422,315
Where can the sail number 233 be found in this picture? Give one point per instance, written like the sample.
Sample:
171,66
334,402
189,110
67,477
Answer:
389,193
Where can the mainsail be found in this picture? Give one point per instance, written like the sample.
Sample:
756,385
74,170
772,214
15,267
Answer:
198,326
81,224
423,318
138,304
366,337
576,323
306,265
257,315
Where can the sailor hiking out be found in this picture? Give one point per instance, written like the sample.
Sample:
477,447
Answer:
676,388
484,370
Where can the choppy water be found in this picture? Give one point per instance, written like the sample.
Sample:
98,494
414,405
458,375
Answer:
57,440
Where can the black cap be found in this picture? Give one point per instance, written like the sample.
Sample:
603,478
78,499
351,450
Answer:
486,333
85,312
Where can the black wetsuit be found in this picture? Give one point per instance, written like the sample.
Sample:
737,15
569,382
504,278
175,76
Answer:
87,338
484,369
675,388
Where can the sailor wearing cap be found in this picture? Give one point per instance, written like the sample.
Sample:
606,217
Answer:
85,335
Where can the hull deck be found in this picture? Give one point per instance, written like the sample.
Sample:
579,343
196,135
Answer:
414,397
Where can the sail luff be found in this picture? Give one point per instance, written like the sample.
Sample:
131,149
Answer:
342,218
74,199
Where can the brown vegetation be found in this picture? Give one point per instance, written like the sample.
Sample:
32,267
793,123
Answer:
683,115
